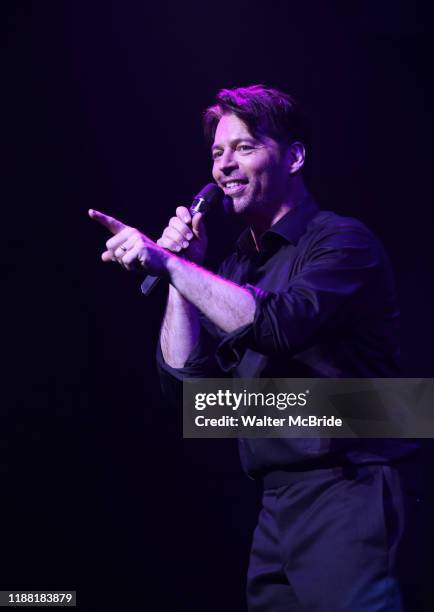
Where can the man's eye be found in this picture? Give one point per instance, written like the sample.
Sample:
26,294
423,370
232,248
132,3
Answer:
216,154
244,147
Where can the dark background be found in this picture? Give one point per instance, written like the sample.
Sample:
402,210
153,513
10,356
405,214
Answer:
103,105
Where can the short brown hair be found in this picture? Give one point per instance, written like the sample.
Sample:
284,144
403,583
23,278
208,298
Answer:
265,111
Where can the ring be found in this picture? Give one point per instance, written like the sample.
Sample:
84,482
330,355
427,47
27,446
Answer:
124,249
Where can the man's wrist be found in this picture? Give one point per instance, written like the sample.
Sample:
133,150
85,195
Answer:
174,266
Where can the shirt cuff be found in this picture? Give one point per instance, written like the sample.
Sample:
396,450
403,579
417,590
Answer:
195,366
171,378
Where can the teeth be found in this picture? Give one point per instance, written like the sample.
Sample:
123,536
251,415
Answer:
233,184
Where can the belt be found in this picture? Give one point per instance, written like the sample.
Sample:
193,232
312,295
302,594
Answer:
281,478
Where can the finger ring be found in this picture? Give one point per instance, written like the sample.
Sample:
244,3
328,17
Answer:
124,248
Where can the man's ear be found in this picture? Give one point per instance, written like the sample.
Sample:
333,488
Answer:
296,157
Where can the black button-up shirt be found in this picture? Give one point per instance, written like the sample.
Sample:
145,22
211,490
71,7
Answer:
325,307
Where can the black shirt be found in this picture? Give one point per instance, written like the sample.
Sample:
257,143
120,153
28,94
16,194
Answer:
325,307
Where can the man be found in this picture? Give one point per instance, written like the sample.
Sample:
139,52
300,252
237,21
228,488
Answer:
305,294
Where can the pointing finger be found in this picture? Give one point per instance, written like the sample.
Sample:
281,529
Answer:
113,225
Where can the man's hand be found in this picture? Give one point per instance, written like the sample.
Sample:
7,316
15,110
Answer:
131,248
224,303
181,230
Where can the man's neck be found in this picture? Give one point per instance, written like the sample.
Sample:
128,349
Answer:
267,218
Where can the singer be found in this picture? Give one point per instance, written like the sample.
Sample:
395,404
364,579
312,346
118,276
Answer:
306,293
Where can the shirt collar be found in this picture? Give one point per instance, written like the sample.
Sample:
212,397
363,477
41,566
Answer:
290,227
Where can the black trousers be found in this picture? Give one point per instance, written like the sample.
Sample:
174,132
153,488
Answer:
337,539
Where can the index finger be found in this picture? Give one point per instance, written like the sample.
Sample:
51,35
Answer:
113,225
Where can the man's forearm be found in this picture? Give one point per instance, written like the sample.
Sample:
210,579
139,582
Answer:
226,304
180,329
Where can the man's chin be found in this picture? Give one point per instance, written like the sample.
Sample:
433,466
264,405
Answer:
233,206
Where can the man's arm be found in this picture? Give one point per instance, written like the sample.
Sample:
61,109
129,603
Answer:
226,304
344,272
180,329
192,288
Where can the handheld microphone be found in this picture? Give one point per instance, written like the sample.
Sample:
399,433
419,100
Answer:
205,199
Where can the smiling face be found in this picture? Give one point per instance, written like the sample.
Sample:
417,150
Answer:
253,171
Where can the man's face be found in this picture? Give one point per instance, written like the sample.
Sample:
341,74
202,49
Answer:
253,172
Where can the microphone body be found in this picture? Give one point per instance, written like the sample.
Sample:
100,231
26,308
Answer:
205,199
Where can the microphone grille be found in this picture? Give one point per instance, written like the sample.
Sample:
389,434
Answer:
210,192
208,196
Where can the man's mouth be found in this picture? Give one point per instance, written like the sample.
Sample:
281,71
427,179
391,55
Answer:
234,187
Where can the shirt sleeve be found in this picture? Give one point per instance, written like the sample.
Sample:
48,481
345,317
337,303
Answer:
200,364
342,279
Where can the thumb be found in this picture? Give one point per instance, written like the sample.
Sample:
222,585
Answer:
198,226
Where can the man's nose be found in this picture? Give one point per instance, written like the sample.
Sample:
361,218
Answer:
227,162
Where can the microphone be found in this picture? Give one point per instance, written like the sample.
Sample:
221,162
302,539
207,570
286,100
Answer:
205,199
